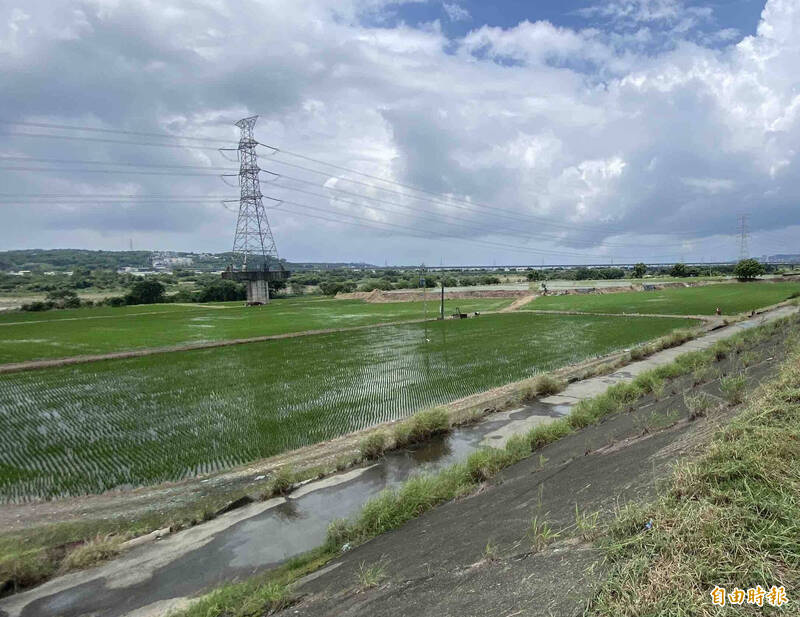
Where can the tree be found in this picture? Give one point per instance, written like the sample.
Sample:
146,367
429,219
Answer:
639,270
222,290
748,269
63,298
146,291
679,270
534,275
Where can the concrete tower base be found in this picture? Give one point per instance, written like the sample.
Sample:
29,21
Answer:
257,292
257,282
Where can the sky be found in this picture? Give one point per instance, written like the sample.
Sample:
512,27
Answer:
405,132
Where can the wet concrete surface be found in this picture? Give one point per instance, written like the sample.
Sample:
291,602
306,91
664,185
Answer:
259,536
292,526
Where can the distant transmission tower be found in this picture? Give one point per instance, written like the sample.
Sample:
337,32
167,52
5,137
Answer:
254,251
744,235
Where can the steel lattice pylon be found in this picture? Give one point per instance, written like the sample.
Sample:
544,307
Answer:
253,245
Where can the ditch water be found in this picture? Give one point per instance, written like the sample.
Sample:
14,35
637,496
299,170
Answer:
144,583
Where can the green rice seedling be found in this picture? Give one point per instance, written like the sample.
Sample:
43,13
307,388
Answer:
732,298
168,417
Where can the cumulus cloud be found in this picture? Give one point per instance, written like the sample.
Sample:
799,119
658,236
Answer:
556,143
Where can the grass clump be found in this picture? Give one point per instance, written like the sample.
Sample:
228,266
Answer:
642,351
282,481
547,385
373,445
733,388
242,600
540,534
93,552
420,426
370,576
698,404
728,519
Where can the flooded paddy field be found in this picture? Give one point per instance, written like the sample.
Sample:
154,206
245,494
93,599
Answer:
87,428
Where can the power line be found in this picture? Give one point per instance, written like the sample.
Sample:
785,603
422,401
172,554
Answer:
108,141
450,198
515,231
416,231
109,171
111,164
93,129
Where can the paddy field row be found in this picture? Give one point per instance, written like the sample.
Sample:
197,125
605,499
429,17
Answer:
87,428
59,334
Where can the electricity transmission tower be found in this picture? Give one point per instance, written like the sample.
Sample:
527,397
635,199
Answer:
254,249
253,243
744,235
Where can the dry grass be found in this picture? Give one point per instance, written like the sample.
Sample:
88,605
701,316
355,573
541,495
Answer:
91,553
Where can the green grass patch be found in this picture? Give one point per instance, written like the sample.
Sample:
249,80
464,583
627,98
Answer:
731,298
58,334
728,519
90,427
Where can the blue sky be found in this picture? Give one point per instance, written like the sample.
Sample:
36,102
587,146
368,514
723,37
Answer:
460,16
513,132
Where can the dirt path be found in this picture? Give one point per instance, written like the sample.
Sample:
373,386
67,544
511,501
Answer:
519,303
708,318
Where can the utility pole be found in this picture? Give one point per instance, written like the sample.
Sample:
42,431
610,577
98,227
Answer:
744,235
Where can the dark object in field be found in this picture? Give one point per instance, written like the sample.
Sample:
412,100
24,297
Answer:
459,315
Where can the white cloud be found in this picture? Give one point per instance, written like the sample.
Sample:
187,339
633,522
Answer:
456,12
537,120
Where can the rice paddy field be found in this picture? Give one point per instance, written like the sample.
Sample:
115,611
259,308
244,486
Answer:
58,334
731,298
86,428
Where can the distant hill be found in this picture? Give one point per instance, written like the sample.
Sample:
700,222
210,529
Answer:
42,260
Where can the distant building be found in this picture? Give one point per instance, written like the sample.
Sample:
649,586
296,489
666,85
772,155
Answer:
792,258
162,260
